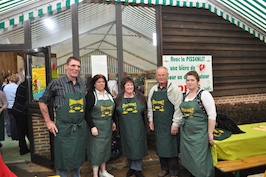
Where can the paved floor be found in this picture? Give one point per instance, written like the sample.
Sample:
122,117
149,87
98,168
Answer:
32,170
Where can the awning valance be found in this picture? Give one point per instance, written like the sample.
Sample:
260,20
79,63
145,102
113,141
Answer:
250,15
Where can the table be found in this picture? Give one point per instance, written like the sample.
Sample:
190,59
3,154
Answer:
248,144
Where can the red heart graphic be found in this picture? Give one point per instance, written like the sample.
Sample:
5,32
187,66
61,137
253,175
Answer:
201,67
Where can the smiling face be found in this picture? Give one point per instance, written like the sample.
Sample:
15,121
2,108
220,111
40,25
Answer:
99,84
162,76
72,69
192,82
129,87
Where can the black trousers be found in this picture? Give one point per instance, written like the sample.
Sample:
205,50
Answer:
22,129
170,164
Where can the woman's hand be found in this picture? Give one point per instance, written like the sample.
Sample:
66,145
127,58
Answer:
114,127
94,131
211,140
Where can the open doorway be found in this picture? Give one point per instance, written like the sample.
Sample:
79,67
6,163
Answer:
12,63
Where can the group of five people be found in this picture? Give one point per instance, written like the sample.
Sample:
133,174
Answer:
165,112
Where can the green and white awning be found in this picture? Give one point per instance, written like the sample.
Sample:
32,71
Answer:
50,8
250,15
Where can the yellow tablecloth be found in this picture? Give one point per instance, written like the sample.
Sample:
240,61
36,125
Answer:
251,143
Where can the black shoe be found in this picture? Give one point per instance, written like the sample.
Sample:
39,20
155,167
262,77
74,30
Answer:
1,145
24,152
139,174
130,172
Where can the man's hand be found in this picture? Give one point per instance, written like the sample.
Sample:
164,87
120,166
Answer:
174,130
52,127
94,131
151,125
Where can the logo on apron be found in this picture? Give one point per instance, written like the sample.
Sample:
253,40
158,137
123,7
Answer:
76,105
129,107
158,105
188,112
106,110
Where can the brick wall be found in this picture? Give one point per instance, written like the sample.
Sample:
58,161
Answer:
252,98
41,137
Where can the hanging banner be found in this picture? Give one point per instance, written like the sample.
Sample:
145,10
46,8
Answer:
179,65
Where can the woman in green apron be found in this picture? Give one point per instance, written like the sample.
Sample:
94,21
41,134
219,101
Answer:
99,113
196,134
131,110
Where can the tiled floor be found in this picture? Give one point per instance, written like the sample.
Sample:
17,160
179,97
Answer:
10,152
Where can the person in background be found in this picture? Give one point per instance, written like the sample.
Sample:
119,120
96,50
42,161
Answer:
10,91
131,111
5,82
99,115
112,85
67,93
3,106
19,112
164,119
197,129
7,118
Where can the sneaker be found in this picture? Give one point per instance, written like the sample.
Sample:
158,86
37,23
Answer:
163,173
105,174
139,174
130,172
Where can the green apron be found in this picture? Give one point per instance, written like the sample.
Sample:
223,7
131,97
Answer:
70,140
195,150
166,144
132,129
99,147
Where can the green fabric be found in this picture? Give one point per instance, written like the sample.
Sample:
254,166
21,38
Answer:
2,127
99,147
166,144
132,129
195,151
242,145
70,139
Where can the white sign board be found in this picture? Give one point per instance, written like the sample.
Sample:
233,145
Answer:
179,65
99,65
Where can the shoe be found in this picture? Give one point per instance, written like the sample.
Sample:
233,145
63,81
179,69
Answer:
130,172
24,152
105,174
1,145
163,173
138,174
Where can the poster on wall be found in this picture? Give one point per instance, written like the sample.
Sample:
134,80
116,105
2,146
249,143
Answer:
179,65
99,65
38,77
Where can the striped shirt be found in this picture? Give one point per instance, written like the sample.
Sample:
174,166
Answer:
56,91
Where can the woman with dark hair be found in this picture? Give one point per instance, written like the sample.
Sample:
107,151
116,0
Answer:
131,110
196,133
99,114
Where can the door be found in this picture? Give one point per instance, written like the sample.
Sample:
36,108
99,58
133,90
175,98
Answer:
38,75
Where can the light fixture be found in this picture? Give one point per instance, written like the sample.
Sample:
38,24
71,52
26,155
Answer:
49,23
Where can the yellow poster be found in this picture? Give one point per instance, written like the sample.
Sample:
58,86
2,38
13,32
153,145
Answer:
38,82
